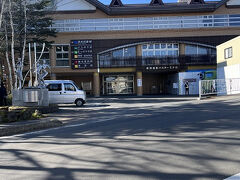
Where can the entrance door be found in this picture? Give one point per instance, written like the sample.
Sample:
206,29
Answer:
118,84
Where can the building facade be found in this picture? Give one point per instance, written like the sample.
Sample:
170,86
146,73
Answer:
228,59
139,48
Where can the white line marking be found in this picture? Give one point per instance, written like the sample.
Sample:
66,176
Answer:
234,177
61,127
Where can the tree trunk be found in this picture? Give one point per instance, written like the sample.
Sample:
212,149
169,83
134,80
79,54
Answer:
1,13
12,45
25,38
7,59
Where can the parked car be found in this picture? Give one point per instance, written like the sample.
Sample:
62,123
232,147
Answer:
65,92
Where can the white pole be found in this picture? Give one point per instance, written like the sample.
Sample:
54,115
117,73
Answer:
35,65
30,64
200,89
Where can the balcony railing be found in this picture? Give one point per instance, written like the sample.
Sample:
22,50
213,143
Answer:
198,59
182,60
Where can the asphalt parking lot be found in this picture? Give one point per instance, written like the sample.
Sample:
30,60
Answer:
131,138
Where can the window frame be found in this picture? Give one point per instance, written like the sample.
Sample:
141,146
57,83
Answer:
228,53
62,52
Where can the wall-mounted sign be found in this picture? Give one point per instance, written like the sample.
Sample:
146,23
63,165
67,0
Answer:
82,54
139,82
159,68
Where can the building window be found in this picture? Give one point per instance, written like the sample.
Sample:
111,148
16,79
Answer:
45,55
160,49
118,57
228,53
198,50
62,55
118,84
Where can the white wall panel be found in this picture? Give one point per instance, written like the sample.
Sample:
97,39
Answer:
70,5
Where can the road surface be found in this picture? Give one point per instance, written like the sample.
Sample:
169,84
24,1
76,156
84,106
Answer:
131,138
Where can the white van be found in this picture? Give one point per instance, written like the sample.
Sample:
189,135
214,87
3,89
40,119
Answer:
65,92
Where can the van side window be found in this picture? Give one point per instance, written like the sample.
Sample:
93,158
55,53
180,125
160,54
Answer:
54,87
69,87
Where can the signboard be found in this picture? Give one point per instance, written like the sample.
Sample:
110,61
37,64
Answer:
139,82
175,85
82,54
162,68
190,80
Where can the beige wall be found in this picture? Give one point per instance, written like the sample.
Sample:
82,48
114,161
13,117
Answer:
235,59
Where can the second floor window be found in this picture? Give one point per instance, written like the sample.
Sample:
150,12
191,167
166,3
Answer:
160,49
62,55
228,53
194,50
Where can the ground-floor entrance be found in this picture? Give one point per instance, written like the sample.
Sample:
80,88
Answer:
159,83
127,83
118,84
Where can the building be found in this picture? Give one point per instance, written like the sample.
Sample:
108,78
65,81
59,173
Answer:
228,59
139,48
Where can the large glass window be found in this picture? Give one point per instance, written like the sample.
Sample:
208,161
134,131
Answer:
117,53
160,49
118,84
62,55
198,50
118,57
191,50
130,52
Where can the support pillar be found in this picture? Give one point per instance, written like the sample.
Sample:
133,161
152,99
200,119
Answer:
96,84
139,84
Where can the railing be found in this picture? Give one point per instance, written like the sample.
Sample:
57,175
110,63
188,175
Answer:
142,23
198,59
120,62
182,60
219,87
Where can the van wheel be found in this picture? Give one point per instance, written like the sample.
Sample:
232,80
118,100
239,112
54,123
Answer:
79,102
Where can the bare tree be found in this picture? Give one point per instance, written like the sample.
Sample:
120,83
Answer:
12,42
7,57
2,2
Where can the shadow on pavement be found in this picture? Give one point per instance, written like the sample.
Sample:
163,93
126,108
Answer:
187,141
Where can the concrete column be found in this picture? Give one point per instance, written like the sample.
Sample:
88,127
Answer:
96,84
52,56
139,54
139,84
181,49
53,76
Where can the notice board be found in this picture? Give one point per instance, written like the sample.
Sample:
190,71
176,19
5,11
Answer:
82,54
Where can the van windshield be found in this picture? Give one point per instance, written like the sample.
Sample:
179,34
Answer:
76,86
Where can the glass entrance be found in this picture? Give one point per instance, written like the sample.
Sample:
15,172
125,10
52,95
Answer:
118,84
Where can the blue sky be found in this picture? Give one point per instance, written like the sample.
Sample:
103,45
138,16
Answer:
135,1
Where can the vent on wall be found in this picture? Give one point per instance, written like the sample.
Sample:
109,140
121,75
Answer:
116,3
156,2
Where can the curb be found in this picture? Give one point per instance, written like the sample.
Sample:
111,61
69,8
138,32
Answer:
17,129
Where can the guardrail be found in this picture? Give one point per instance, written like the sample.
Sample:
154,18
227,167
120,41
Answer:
140,61
219,87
